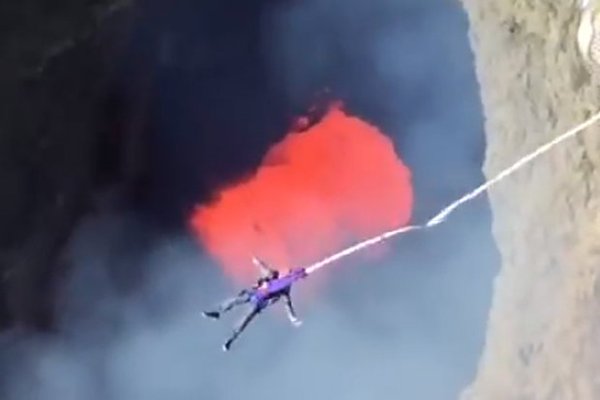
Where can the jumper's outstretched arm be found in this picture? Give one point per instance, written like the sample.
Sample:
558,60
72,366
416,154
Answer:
291,312
264,268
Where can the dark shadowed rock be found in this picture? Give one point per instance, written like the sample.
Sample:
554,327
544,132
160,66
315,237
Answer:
54,68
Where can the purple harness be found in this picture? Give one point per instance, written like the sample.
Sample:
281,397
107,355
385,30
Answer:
276,287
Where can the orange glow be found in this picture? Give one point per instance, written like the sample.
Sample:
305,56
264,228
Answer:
314,192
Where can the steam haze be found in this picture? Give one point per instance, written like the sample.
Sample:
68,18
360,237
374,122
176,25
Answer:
410,325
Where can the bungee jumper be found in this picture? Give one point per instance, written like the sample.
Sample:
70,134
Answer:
268,289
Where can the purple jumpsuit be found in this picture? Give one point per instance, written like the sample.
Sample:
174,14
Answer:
268,293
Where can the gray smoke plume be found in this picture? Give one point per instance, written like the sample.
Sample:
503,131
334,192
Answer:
379,331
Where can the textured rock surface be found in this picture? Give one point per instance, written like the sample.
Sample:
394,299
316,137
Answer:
543,339
53,74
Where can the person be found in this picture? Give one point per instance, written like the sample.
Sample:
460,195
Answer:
269,288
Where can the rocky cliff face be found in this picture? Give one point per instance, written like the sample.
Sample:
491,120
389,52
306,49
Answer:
543,339
54,71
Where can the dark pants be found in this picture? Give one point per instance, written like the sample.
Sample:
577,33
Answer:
242,298
256,309
242,325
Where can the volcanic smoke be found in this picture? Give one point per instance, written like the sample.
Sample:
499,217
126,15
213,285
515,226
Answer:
317,190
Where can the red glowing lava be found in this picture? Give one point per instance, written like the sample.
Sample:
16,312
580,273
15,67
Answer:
315,191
